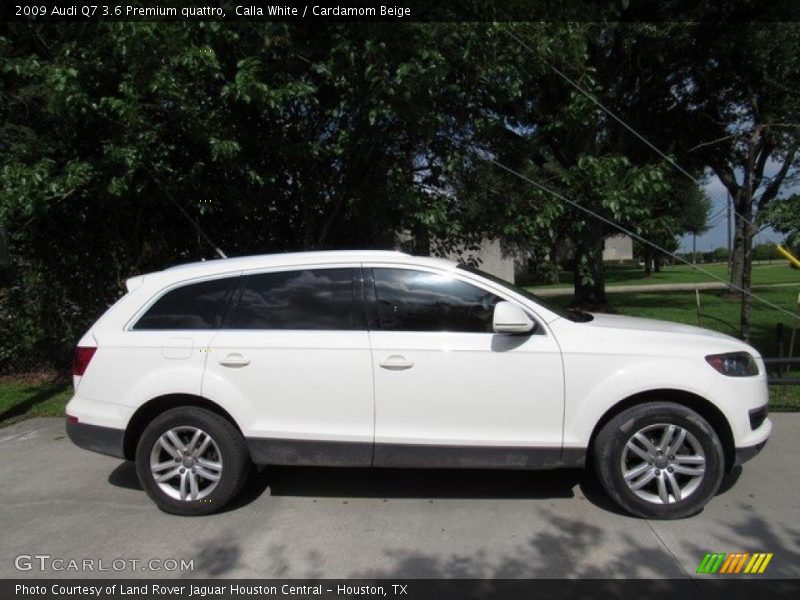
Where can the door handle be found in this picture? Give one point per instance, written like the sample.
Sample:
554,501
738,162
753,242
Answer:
234,360
396,363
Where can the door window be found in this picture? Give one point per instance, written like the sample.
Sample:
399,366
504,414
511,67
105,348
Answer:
303,299
419,301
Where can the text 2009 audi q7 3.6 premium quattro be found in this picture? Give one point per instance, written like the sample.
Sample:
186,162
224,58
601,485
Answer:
382,359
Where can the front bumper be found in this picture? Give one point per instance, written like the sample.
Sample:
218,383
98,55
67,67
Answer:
105,440
748,452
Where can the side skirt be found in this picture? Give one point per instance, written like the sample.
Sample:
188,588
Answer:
268,451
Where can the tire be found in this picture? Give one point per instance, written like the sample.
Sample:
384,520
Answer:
691,463
217,462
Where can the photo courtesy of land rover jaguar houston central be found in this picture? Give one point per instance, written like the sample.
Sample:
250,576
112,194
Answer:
381,359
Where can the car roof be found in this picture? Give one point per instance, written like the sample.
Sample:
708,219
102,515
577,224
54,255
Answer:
288,259
300,258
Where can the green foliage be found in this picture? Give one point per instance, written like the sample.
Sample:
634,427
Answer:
766,252
784,215
272,136
720,254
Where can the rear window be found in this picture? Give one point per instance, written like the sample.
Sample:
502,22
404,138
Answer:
194,306
304,299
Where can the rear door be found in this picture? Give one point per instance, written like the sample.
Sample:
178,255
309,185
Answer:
293,357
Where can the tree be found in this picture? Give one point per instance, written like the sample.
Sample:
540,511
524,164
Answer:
560,140
129,147
694,211
680,210
749,91
784,215
718,94
731,86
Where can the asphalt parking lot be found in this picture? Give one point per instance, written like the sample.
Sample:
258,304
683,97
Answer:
58,500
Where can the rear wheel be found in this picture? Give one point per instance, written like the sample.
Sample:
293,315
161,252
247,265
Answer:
191,461
659,460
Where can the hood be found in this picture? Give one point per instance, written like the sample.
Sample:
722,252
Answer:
651,325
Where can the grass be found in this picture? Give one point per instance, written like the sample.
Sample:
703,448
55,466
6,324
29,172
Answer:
763,274
784,398
36,396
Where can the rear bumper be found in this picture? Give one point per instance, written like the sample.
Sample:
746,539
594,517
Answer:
105,440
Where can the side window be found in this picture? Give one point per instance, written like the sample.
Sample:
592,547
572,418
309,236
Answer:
306,299
419,301
193,306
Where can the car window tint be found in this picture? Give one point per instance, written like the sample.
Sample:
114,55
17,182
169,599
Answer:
195,306
419,301
306,299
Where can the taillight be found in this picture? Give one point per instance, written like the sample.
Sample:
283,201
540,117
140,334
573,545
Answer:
83,356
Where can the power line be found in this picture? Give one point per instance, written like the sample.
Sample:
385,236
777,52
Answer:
611,114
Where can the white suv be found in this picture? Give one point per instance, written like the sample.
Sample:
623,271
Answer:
380,359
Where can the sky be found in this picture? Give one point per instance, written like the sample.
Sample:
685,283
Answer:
717,235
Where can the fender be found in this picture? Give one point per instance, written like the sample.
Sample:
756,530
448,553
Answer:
591,391
181,378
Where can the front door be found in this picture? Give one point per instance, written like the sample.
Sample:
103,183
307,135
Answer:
448,391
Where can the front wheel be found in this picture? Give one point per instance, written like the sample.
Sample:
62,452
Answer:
191,461
659,460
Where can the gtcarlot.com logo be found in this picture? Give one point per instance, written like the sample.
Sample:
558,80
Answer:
735,563
46,562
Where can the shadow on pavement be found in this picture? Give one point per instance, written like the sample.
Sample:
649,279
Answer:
421,483
124,476
396,483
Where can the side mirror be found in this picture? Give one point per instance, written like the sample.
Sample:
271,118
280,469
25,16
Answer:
510,318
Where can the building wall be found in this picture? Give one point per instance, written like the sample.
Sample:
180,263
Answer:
495,261
492,260
618,247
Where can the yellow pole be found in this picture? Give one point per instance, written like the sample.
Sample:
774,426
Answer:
789,256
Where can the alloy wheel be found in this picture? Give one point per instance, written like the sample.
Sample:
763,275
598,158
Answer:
663,463
186,463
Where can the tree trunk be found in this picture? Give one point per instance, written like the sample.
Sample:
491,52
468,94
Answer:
5,254
590,281
553,259
422,240
648,260
657,259
737,253
747,300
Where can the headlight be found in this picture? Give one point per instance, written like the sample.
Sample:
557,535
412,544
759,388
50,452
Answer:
734,364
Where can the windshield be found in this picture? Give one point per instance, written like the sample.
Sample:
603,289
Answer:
569,313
